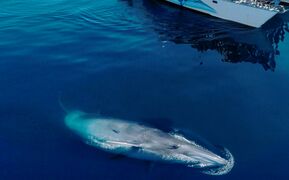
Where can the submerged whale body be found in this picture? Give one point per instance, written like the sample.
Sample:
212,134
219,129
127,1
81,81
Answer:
138,141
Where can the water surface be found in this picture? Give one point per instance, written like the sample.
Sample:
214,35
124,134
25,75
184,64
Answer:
139,60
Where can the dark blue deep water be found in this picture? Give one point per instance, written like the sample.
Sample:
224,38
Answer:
139,60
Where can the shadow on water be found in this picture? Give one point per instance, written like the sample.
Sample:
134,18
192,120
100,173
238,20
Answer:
236,43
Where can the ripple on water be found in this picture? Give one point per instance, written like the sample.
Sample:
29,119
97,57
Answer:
113,28
71,29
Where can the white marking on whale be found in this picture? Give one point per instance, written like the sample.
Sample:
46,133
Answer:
138,141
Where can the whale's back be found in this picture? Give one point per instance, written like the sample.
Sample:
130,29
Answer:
139,141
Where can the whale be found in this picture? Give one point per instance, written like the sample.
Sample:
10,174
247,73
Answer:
140,141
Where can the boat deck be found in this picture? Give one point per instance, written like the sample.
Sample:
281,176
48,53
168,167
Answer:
265,4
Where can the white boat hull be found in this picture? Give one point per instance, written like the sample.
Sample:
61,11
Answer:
240,13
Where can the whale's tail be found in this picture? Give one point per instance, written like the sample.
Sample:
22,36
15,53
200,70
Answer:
223,169
62,105
66,109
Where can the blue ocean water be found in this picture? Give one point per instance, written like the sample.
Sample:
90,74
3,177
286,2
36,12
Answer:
138,60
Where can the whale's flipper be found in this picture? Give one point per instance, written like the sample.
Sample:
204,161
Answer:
150,165
117,157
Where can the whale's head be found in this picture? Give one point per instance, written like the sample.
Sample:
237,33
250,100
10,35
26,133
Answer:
206,157
213,164
224,166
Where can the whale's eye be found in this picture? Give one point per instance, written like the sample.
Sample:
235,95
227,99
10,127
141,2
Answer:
115,131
